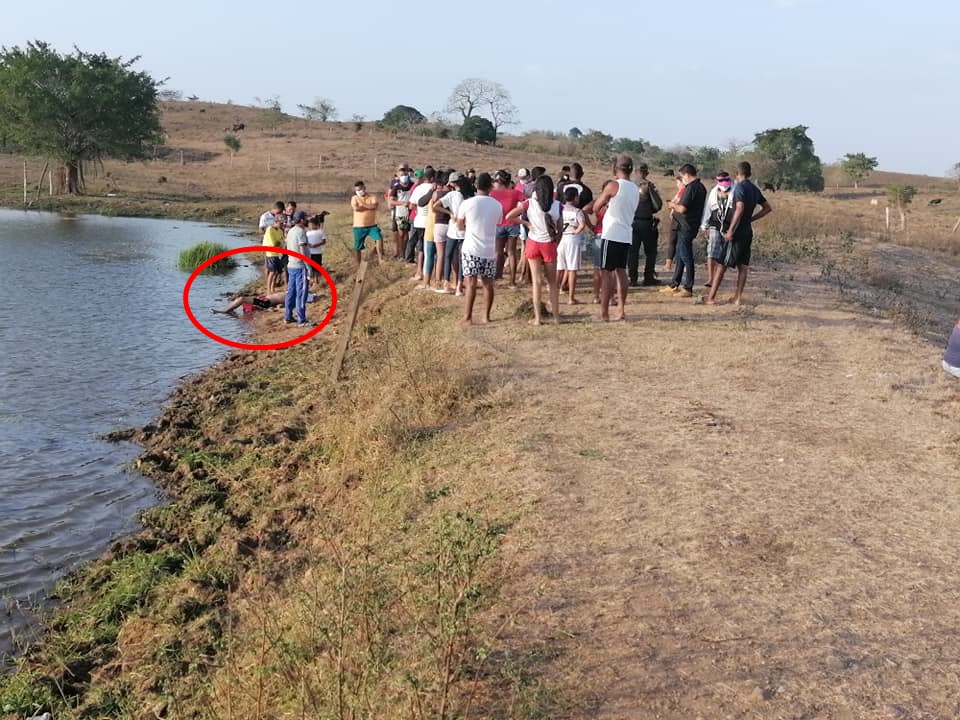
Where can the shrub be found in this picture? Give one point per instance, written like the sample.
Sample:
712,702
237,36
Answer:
193,257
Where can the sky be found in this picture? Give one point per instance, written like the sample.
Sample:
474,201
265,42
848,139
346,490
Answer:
874,77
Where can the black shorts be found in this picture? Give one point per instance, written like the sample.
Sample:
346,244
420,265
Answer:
417,236
613,255
262,302
274,264
743,246
318,259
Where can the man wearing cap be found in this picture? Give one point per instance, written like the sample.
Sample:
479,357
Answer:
619,200
297,270
645,231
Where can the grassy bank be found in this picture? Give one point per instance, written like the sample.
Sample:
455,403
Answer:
326,550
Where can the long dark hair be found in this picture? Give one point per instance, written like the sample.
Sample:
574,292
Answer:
465,187
543,191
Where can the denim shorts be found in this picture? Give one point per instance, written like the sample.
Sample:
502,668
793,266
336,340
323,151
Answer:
508,231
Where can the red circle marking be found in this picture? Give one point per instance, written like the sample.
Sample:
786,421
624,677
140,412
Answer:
253,346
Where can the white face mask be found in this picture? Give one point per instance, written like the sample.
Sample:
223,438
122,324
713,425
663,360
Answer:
404,179
361,192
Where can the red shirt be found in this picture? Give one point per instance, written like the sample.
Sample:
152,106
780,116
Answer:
508,200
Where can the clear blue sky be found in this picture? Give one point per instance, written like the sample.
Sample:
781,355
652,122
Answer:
873,77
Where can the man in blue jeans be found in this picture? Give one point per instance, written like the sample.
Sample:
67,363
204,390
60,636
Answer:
688,211
297,270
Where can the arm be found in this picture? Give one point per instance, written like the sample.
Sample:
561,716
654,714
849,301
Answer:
424,199
369,202
705,220
737,215
581,223
765,210
610,191
516,212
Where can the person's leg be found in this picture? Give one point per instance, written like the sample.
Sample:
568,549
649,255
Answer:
429,258
572,286
719,271
550,270
633,256
742,272
671,248
535,276
487,298
302,296
685,253
512,259
470,294
289,303
501,245
438,267
621,275
648,236
403,237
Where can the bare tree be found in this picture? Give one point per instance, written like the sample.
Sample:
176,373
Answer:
502,110
474,94
322,109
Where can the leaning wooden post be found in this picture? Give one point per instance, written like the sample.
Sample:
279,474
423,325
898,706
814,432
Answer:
347,329
955,226
24,182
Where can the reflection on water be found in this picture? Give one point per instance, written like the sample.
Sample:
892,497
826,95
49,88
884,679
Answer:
94,337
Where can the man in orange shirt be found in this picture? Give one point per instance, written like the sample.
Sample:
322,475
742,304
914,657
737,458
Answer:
365,221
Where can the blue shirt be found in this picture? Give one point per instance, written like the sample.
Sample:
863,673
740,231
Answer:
952,355
750,195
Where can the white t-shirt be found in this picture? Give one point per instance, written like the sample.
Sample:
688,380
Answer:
296,241
420,221
538,220
267,220
482,214
316,236
452,201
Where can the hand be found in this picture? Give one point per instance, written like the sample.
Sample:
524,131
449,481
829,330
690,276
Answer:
728,236
703,234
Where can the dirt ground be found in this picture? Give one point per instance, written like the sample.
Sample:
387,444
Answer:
736,512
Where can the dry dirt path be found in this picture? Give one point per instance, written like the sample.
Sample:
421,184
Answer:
738,513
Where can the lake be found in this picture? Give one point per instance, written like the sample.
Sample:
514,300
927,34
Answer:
94,338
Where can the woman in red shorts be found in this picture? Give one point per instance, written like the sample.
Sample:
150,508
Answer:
543,219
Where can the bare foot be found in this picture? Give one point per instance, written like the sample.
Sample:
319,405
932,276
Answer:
556,319
600,318
486,320
535,321
417,277
573,301
466,322
736,301
596,301
620,318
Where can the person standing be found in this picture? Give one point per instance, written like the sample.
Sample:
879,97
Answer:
461,189
645,231
398,198
543,214
746,198
365,225
509,230
618,202
478,218
571,244
297,270
688,211
419,197
268,220
674,229
273,237
316,240
716,222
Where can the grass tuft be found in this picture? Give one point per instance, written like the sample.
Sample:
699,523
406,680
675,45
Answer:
193,257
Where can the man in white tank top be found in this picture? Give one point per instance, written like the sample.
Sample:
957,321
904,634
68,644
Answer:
619,197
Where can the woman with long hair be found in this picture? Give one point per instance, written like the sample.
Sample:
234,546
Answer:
543,218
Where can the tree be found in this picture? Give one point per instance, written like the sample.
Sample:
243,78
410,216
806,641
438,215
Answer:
478,130
473,94
955,172
233,145
597,145
626,145
575,133
76,108
790,152
857,166
901,196
322,109
273,114
707,160
403,116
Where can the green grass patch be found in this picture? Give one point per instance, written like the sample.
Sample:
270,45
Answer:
193,257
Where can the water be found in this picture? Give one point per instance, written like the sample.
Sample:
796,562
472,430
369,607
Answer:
93,337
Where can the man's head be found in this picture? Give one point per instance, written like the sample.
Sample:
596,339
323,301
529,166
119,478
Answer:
623,166
299,218
744,171
278,220
576,171
471,173
502,178
484,183
724,183
688,172
429,174
571,195
360,188
278,207
291,207
565,172
452,180
643,170
537,172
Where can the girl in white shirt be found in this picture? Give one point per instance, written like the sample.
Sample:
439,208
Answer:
540,250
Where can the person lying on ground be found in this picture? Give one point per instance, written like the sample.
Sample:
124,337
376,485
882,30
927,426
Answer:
257,302
951,358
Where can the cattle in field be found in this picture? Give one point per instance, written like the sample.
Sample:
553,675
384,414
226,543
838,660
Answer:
875,202
935,201
769,187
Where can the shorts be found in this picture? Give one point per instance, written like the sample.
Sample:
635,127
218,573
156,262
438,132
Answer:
568,253
262,302
613,255
716,245
275,264
508,231
440,233
416,237
545,251
742,248
596,251
318,259
360,234
471,265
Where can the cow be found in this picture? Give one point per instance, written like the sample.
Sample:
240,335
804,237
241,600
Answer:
769,187
668,173
875,202
935,201
237,127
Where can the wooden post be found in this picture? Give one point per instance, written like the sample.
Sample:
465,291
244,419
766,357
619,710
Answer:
268,162
24,182
181,157
955,226
351,318
50,178
888,217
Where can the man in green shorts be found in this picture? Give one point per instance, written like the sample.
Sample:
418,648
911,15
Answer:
365,221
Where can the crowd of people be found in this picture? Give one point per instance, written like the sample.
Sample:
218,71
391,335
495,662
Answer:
465,230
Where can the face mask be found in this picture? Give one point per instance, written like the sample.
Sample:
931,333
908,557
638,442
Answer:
361,193
404,179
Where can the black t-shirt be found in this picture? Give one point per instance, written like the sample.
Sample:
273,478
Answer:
693,199
750,195
585,197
